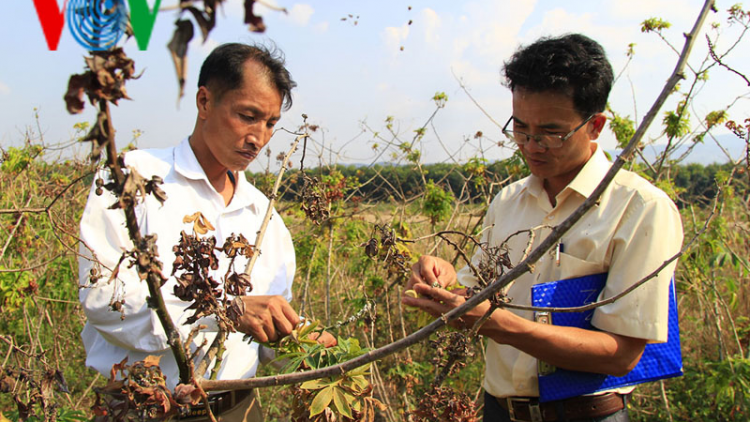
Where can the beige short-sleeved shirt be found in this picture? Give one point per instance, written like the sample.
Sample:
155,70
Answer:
632,231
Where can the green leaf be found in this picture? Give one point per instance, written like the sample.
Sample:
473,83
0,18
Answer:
315,384
654,24
321,400
342,402
308,328
361,370
360,381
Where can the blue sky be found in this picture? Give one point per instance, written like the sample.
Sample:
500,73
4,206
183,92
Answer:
354,75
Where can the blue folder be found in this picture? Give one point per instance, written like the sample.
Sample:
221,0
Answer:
659,360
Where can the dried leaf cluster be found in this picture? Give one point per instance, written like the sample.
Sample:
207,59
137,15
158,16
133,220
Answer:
443,404
33,392
451,350
133,189
386,247
104,79
740,130
195,258
141,393
315,203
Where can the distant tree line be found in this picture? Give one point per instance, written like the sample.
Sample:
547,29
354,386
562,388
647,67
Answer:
474,181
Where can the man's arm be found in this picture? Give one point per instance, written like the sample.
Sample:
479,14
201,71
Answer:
566,347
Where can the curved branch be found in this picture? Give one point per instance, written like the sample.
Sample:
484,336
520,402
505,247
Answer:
511,275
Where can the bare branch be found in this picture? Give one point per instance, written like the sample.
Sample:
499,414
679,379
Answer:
271,202
718,60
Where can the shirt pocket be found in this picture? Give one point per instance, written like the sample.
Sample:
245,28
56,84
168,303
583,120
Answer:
570,266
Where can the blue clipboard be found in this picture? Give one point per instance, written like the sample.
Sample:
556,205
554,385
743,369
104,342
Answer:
659,360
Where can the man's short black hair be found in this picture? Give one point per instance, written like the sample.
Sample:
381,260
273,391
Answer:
573,64
222,70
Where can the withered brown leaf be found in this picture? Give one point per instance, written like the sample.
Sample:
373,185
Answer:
200,224
74,96
178,47
151,360
187,394
254,21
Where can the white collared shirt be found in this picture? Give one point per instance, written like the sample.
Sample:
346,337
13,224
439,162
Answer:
633,229
109,336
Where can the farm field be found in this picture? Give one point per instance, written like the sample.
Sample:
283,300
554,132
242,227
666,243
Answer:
337,280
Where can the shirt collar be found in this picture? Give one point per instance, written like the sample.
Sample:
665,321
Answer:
591,174
245,194
585,181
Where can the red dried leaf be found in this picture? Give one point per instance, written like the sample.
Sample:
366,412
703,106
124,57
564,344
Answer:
187,394
77,84
255,21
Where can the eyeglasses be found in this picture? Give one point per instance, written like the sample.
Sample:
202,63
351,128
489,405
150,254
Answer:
544,141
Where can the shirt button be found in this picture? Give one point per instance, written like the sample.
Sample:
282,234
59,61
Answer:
550,217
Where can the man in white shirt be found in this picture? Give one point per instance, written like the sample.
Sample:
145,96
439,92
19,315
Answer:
560,88
241,90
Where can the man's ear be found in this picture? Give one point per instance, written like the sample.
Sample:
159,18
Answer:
203,102
596,125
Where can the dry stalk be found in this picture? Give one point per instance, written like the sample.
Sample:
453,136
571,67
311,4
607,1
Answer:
218,342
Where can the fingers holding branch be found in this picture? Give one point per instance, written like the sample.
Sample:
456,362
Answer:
267,318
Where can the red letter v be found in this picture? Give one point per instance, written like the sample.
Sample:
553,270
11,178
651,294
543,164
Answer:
52,20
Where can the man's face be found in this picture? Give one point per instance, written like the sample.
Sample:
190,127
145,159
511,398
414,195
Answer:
240,123
538,113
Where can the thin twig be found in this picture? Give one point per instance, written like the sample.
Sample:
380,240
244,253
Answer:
33,267
712,52
271,202
466,91
13,231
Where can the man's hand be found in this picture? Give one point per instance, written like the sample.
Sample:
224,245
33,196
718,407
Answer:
430,270
267,318
437,301
325,338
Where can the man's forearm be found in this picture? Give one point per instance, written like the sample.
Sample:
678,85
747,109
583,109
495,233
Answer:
566,347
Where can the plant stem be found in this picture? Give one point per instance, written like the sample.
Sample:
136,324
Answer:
271,204
328,273
153,280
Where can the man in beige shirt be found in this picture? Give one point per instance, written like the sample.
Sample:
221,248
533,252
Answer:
560,88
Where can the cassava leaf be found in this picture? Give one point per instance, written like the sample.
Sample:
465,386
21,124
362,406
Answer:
321,400
342,401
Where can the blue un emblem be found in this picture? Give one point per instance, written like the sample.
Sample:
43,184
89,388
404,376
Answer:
97,24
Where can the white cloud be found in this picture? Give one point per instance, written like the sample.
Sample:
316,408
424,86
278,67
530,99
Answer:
4,89
559,21
300,14
394,37
472,76
432,23
321,27
667,9
490,28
